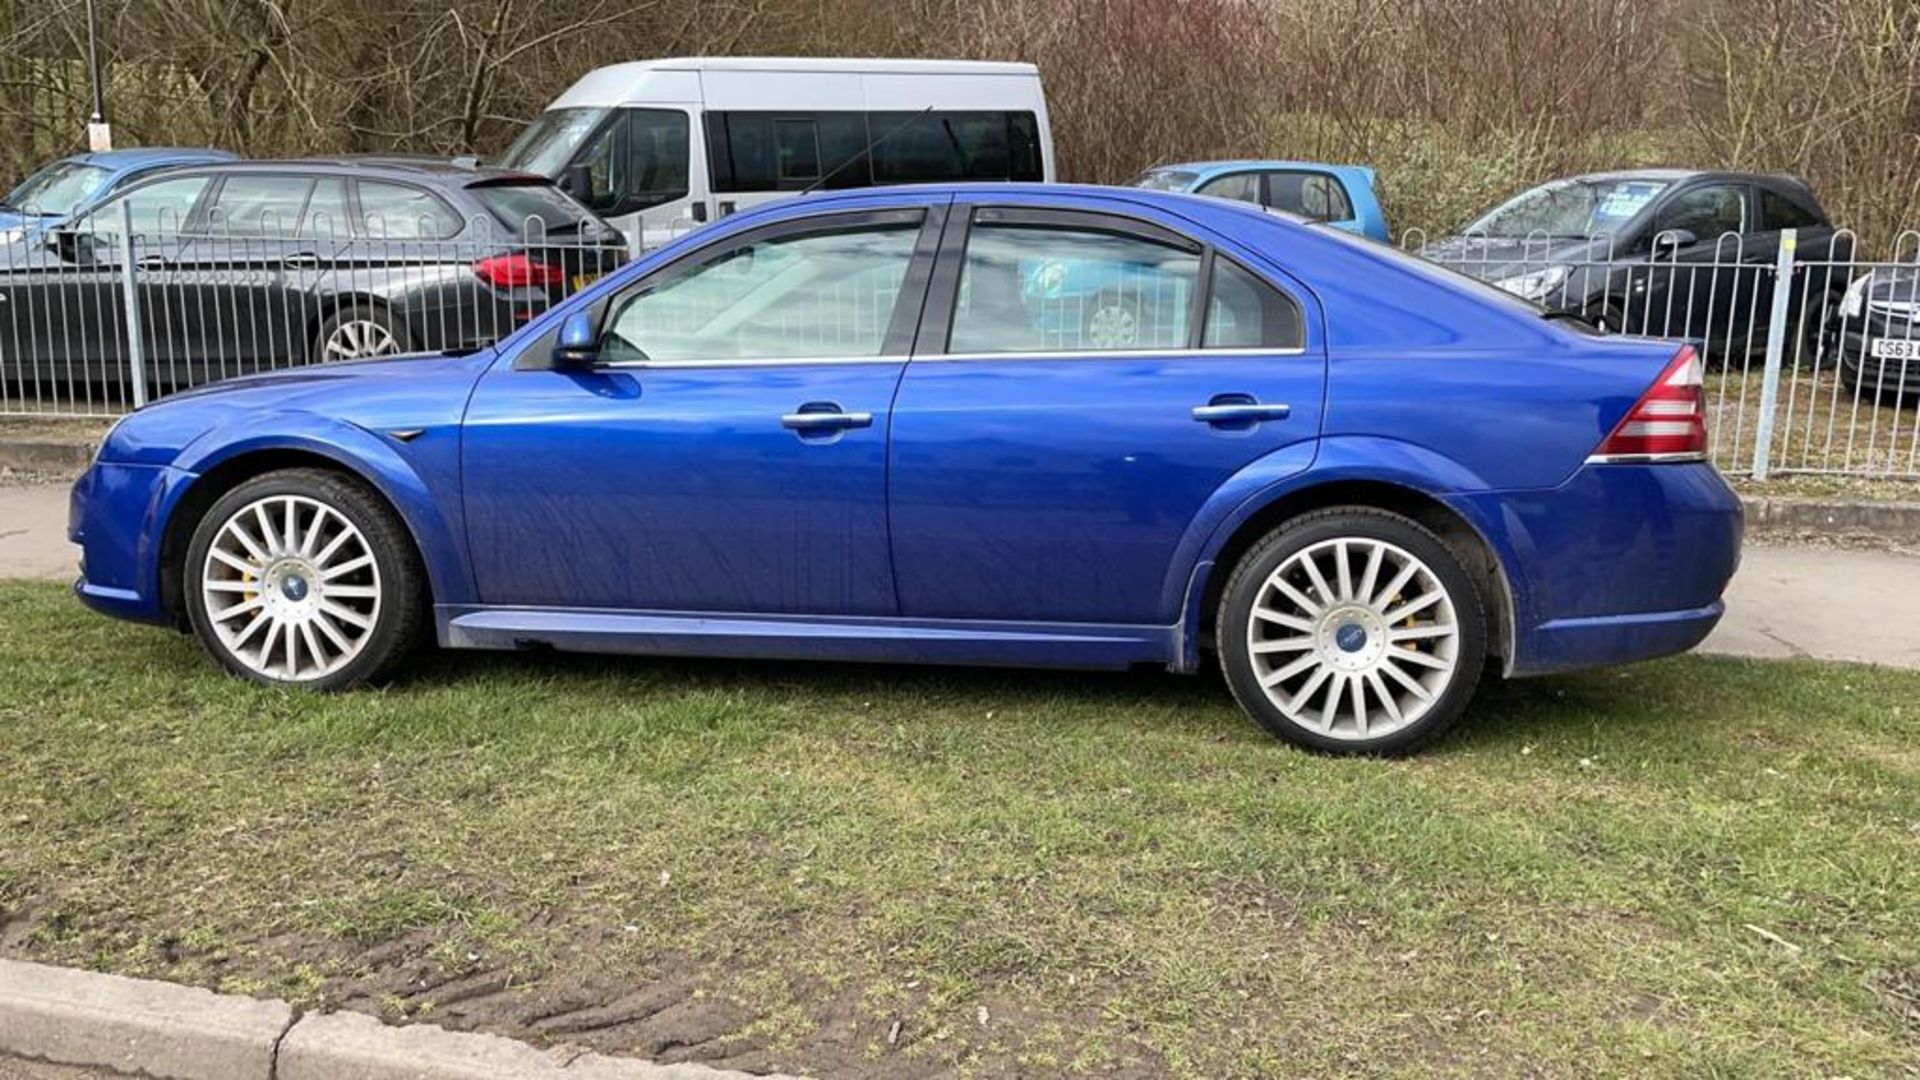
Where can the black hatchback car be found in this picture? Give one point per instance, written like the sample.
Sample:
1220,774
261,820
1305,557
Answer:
1669,252
255,265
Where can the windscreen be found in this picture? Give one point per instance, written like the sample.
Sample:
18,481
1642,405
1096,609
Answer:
1165,179
1576,208
57,189
549,142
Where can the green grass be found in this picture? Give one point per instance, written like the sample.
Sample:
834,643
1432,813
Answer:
1119,870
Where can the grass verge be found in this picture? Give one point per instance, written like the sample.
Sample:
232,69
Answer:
1696,866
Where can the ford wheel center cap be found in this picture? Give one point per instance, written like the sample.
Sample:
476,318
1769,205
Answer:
1351,637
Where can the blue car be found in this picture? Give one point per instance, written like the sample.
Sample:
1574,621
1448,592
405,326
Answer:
1341,196
838,428
53,194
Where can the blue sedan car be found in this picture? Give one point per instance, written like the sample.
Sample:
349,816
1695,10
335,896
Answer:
54,193
842,428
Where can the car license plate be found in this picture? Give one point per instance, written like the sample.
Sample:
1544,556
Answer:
1895,349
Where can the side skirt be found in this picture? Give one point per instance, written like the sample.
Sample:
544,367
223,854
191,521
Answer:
809,637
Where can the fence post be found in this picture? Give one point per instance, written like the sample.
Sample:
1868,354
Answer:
1776,350
130,304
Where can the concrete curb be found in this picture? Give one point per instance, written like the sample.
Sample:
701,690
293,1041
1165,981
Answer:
174,1032
66,457
182,1033
1891,520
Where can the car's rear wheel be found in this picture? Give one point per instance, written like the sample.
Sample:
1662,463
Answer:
1352,630
361,331
304,577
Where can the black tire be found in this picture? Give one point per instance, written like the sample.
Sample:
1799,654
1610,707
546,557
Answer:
1606,318
368,314
400,620
1249,579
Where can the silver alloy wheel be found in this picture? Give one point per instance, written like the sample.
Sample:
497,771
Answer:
1353,638
357,339
291,588
1112,325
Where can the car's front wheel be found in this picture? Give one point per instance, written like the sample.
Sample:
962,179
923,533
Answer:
304,577
1352,630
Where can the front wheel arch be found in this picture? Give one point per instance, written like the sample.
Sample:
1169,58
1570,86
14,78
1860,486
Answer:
1459,534
204,492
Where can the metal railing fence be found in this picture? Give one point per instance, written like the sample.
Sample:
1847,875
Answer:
1812,350
97,320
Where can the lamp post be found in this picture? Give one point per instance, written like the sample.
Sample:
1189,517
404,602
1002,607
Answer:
99,132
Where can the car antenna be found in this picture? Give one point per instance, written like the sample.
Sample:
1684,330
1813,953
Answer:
864,151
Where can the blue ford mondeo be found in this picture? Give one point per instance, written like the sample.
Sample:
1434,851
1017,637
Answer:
867,427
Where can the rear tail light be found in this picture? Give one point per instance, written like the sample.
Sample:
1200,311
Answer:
517,271
1669,422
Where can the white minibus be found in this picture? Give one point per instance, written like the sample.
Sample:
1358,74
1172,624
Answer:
658,146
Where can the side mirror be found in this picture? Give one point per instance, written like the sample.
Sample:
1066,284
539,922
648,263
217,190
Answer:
1671,240
577,180
579,341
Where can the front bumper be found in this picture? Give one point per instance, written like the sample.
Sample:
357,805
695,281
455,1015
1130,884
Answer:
1853,344
116,512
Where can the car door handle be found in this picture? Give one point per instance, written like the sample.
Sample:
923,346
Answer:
825,420
1240,412
153,262
302,261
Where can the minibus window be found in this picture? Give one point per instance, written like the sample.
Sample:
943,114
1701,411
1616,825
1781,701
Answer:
786,151
657,157
637,160
944,146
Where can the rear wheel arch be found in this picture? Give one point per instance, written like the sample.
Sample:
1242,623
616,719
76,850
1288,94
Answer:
1457,532
207,489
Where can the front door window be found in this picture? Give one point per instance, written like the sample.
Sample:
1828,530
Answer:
830,293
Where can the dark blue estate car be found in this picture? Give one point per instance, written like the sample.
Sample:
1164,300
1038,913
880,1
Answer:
847,427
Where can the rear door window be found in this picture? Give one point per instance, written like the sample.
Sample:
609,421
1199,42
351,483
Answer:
1315,196
258,206
1044,288
1244,187
327,215
1708,211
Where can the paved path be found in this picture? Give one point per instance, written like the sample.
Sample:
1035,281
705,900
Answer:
33,532
1788,601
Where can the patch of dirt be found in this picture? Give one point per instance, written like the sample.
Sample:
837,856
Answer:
599,997
1899,990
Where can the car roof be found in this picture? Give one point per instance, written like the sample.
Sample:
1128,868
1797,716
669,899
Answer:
134,157
1207,170
1180,203
1670,175
453,172
850,65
